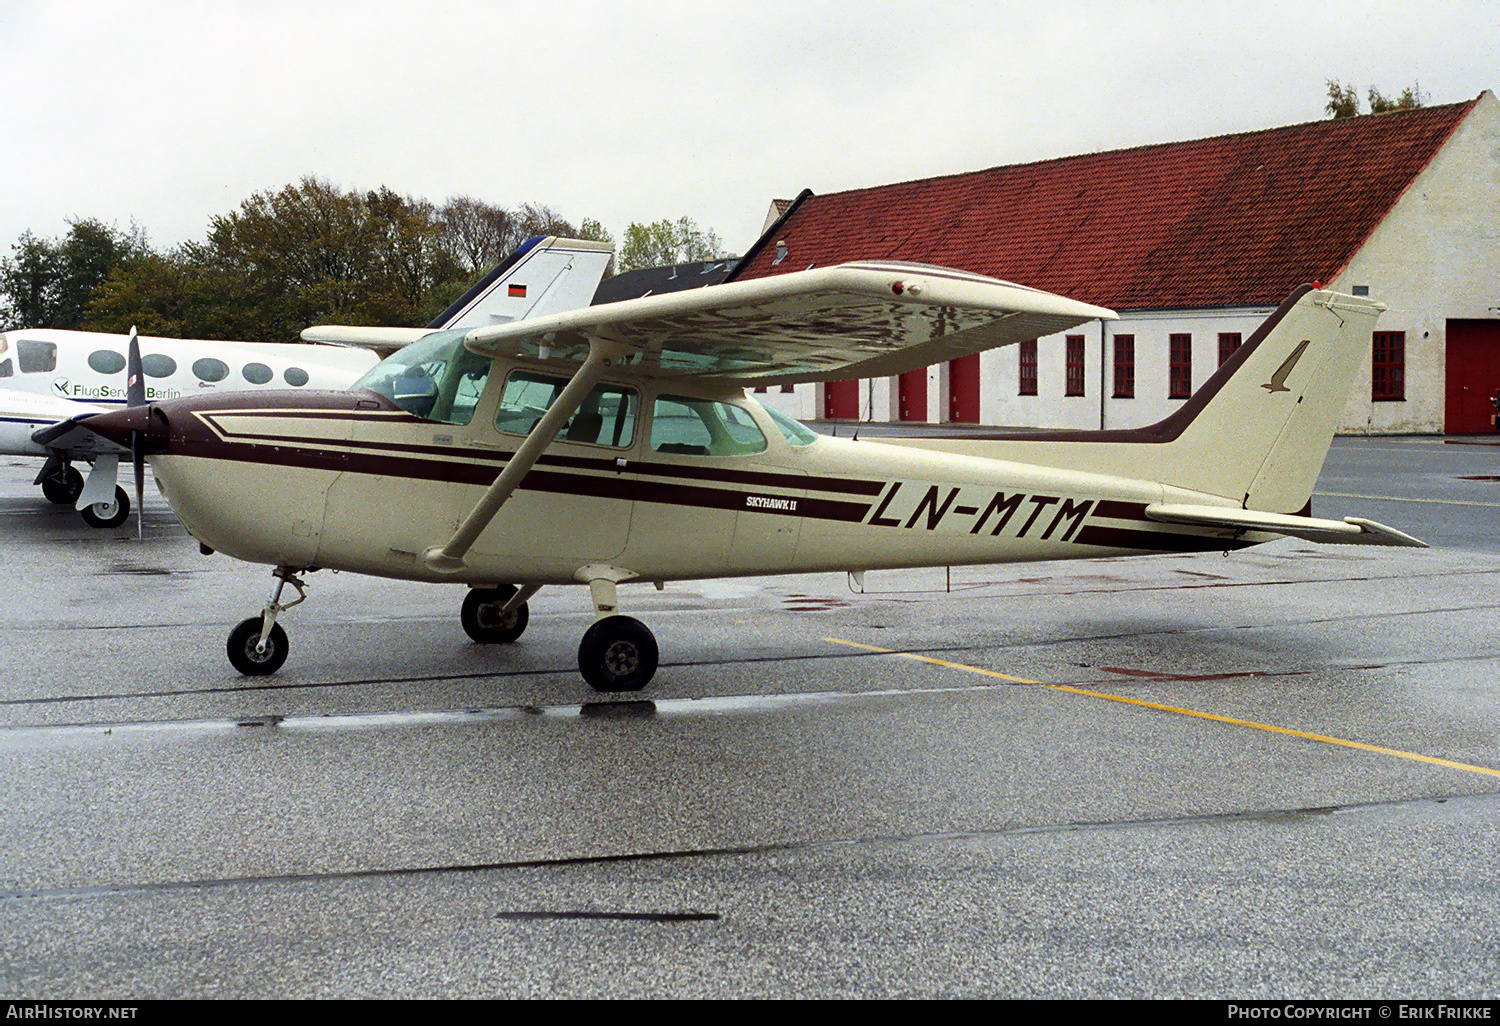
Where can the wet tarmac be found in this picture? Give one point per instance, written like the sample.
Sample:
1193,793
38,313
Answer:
1274,774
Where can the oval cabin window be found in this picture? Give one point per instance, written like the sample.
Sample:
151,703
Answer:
106,361
158,365
210,369
257,373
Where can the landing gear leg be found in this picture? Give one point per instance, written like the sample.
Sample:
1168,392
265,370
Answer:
258,646
618,653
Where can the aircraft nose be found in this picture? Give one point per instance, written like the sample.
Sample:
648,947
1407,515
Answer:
147,424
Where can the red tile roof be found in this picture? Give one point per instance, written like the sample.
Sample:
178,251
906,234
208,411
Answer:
1234,220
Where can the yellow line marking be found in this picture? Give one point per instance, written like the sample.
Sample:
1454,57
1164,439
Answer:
1400,498
935,662
1272,728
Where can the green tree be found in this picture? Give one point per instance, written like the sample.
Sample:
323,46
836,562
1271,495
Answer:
474,233
663,243
29,283
48,284
1343,101
1411,97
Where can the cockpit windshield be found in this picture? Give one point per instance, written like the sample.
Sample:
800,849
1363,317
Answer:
434,378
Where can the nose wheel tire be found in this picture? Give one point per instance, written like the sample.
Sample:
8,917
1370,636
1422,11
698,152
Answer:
245,653
108,514
483,620
617,653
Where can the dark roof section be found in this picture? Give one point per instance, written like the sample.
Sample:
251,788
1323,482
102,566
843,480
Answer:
655,281
1234,220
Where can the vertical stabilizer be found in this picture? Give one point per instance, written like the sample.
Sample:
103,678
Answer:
543,276
1256,433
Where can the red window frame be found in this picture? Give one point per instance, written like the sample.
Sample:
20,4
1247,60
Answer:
1026,368
1124,366
1179,366
1388,367
1074,384
1229,341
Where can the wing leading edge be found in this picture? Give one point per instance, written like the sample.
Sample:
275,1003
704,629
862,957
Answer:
867,319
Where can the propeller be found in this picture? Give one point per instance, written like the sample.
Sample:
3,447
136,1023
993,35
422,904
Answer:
135,395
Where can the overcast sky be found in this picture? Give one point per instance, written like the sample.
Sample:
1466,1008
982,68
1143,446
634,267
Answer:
166,113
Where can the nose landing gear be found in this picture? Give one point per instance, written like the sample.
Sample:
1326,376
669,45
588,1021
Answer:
258,646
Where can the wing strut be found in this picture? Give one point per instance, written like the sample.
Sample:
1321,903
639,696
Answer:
449,558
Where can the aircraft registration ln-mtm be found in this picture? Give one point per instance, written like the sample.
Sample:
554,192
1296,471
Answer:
621,443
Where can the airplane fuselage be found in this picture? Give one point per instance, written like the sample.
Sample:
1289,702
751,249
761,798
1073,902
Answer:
352,481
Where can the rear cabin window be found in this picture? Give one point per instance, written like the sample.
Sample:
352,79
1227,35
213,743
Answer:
606,417
703,427
794,431
294,376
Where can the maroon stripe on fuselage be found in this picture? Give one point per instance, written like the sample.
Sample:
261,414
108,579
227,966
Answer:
625,484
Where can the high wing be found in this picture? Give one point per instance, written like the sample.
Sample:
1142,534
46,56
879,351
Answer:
866,319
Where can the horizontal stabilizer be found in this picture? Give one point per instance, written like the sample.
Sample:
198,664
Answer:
1349,531
383,340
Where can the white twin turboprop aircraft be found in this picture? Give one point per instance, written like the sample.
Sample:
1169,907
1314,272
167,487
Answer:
619,443
48,376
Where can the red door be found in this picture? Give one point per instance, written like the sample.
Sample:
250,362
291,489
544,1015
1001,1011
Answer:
912,395
841,400
963,389
1473,376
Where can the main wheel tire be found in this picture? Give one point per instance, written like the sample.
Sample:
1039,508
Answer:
64,488
245,655
483,620
108,514
617,653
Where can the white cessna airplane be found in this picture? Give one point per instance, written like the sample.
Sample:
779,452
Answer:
619,443
49,376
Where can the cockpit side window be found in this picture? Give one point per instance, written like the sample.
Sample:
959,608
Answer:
703,427
606,417
34,357
435,378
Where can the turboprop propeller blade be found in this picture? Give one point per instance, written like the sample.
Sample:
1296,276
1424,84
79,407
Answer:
135,395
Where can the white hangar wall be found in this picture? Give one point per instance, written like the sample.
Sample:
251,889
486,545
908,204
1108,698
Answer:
1435,257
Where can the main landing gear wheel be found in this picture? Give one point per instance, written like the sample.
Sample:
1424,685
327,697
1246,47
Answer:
246,653
617,653
483,620
64,487
108,514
